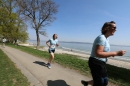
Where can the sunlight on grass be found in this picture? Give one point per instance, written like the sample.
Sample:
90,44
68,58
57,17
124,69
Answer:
117,75
9,74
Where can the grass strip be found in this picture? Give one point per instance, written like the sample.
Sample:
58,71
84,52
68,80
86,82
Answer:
9,74
116,75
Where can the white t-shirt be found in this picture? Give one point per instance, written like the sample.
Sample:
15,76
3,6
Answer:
103,41
53,43
4,40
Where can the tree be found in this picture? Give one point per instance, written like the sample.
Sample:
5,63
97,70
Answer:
11,26
40,13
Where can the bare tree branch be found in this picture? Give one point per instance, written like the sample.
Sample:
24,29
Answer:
39,12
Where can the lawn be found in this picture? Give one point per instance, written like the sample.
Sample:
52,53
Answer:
117,75
9,74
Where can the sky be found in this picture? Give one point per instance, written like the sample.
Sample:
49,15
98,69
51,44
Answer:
82,20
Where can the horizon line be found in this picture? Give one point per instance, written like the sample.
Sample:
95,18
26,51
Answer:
84,42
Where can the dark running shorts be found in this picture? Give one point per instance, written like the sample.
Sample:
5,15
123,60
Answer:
98,71
51,50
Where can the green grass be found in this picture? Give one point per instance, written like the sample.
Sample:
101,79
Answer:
116,75
9,74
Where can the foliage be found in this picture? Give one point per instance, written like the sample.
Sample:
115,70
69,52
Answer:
11,26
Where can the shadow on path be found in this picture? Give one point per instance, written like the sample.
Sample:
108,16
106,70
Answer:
40,63
57,83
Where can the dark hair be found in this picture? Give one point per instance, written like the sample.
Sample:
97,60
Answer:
106,26
54,35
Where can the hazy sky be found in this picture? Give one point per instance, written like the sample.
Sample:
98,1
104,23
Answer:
81,20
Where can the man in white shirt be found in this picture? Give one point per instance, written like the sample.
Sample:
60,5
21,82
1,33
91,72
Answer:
4,40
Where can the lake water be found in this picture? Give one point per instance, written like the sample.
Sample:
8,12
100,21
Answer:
86,48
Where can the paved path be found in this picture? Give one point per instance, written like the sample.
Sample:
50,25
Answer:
39,75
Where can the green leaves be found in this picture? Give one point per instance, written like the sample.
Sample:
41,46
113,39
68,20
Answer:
11,26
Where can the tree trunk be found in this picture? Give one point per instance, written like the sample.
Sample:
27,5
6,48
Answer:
15,41
38,40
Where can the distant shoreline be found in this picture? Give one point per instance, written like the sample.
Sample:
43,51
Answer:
84,43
